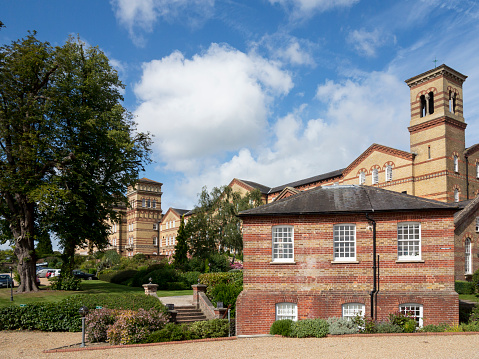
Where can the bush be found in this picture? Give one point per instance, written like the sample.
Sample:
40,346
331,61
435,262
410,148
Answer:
120,277
97,323
281,327
215,328
171,332
474,316
475,278
219,263
439,328
226,293
134,327
472,326
387,327
365,325
338,326
132,301
403,320
65,283
176,286
463,287
309,328
189,278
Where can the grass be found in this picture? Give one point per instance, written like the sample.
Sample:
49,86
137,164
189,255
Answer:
470,297
88,287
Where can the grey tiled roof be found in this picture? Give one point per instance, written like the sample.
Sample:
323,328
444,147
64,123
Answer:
348,199
180,211
305,181
263,189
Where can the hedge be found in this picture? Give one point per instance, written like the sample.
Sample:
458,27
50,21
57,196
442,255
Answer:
463,287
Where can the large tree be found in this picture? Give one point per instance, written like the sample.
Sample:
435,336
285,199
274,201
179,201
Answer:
68,149
214,225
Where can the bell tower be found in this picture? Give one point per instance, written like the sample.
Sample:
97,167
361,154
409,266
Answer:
437,134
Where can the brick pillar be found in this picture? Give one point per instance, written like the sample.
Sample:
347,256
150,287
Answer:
197,289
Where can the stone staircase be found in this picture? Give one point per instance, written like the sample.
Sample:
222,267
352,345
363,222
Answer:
188,314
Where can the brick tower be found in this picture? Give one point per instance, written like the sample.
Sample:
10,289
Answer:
437,135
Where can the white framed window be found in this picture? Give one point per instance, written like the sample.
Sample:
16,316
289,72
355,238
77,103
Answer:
148,203
409,240
287,311
155,241
413,310
456,163
345,242
173,224
467,256
456,195
351,310
389,173
155,226
362,177
283,244
143,202
477,224
375,176
153,203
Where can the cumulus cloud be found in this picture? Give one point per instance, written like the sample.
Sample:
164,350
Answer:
305,7
203,107
139,16
373,109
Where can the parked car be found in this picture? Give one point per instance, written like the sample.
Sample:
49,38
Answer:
79,274
5,281
43,272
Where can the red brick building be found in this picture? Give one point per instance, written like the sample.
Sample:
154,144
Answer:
311,255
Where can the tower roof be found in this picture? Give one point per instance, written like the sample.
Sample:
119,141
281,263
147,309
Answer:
442,70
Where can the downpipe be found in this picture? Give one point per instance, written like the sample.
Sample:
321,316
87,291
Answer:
374,291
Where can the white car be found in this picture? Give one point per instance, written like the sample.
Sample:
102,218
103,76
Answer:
43,272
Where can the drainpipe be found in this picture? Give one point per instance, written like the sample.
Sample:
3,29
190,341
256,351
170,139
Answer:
374,291
467,176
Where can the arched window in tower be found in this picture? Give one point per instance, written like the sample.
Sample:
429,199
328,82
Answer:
477,170
375,177
456,163
423,105
430,98
452,102
389,173
456,195
362,177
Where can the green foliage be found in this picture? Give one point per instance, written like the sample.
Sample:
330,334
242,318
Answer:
227,293
171,332
132,301
387,327
189,278
307,328
66,283
474,314
433,328
215,328
472,326
366,325
281,327
339,326
463,287
51,317
118,277
97,323
475,278
218,263
403,320
181,248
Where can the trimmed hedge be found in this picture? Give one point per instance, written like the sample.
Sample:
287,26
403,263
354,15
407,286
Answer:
463,287
281,327
307,328
132,301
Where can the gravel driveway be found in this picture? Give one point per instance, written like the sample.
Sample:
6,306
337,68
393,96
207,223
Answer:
22,344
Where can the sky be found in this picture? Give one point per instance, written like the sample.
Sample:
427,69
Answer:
270,91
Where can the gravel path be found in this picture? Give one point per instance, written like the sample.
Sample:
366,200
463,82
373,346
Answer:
22,344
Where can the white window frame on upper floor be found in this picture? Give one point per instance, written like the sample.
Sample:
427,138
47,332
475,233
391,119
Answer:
415,310
143,202
286,310
375,176
389,173
456,163
344,242
282,244
456,195
477,224
409,241
468,256
155,226
351,310
362,177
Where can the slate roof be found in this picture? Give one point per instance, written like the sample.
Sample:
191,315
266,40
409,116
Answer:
180,211
147,180
348,199
263,189
302,182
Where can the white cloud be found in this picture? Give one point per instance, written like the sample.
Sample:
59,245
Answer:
139,16
287,49
306,7
367,42
201,108
374,109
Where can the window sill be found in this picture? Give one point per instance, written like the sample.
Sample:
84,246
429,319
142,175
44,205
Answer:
344,262
282,262
410,261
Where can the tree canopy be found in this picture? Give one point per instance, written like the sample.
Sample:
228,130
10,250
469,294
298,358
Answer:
68,148
214,225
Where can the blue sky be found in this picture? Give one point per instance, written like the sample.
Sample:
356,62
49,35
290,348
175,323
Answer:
265,90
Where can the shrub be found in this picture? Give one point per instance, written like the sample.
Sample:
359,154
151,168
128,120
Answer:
435,328
365,325
218,263
463,287
338,326
475,278
474,314
281,327
226,293
472,326
387,327
171,332
132,301
189,278
403,320
309,328
97,323
65,283
121,277
134,327
215,328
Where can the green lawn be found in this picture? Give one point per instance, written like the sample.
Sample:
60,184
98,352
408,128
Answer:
88,286
470,297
